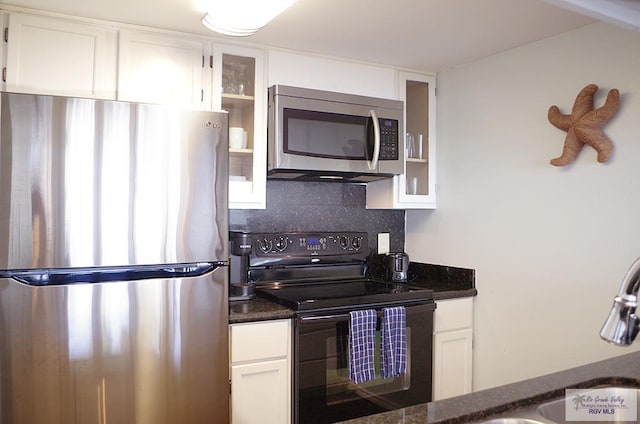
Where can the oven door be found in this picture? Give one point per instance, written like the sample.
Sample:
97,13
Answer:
323,391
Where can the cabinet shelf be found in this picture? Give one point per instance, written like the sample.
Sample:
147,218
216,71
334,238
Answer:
236,100
241,151
416,160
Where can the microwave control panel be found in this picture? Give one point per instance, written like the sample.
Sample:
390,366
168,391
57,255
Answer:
389,140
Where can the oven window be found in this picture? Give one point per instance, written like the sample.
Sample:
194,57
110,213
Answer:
340,388
325,135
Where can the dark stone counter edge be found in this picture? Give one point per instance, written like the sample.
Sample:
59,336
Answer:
260,309
454,294
622,370
257,309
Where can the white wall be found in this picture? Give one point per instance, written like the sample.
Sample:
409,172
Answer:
550,245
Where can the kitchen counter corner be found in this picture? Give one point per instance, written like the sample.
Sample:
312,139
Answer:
257,309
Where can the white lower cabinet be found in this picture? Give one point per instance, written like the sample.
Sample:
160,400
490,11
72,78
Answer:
261,372
453,348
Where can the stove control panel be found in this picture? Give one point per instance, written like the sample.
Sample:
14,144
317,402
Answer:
309,244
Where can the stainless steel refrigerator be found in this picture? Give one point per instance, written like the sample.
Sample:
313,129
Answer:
113,263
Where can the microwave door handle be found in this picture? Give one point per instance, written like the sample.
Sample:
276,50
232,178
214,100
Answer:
376,140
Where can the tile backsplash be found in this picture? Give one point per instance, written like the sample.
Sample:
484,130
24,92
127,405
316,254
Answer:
320,206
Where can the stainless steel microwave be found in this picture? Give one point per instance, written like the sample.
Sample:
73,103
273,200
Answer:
320,135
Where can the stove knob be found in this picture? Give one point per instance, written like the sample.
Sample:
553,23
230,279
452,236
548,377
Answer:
264,245
344,242
281,243
356,243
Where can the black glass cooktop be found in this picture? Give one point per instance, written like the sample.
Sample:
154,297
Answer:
342,294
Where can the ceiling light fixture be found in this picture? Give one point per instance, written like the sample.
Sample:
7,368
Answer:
242,17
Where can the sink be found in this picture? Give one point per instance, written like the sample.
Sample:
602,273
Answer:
553,412
521,416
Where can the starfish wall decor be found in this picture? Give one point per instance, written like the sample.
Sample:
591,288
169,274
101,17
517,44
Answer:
584,125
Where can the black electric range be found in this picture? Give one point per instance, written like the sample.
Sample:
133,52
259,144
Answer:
342,294
322,270
323,277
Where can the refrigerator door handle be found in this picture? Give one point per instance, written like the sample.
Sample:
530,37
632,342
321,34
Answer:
65,276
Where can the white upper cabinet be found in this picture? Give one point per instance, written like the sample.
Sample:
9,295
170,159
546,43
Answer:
47,55
320,73
239,87
160,68
416,188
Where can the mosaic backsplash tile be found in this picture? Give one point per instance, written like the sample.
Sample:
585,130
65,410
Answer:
320,206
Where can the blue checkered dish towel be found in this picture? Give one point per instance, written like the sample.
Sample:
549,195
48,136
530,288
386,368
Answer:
393,361
362,333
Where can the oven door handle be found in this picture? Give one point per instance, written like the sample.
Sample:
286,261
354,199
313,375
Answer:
379,308
335,317
317,318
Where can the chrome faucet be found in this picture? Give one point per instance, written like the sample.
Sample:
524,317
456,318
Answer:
621,327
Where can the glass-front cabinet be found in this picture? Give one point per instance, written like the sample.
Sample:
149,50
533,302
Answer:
240,89
415,189
417,186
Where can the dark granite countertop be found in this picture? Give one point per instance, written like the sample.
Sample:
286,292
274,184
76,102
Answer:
442,278
257,309
621,370
446,281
